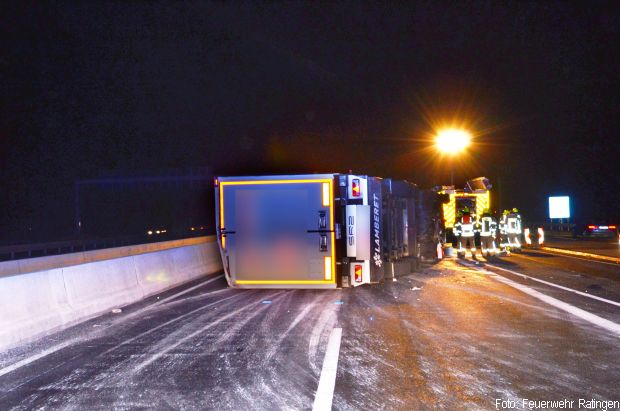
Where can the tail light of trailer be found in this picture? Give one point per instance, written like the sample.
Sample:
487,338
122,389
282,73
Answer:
327,269
612,227
592,227
356,190
358,273
326,194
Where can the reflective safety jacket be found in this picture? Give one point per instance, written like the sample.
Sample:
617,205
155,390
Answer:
502,225
465,226
513,224
487,226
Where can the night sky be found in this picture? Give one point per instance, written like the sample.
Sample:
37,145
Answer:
92,88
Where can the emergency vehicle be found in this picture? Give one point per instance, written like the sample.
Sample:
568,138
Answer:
475,197
316,230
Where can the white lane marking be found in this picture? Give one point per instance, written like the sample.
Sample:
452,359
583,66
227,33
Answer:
557,285
577,312
33,358
60,346
171,347
326,318
327,382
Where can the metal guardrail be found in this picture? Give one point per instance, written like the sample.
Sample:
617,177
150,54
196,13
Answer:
561,227
20,251
551,227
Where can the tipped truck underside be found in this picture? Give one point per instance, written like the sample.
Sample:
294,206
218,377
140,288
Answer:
315,231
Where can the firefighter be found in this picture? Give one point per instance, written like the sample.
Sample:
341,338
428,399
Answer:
514,229
503,235
510,230
487,227
464,229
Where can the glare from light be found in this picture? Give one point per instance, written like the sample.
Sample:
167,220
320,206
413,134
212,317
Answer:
559,207
452,140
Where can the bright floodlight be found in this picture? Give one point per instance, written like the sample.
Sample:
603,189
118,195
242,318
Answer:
452,140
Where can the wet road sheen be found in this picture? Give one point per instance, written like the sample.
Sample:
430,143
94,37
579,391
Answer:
449,337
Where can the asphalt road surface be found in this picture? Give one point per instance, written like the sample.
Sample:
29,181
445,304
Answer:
456,335
604,246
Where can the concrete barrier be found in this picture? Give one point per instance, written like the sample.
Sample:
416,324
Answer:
30,304
41,295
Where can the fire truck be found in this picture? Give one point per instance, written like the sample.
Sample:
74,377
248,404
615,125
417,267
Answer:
318,230
475,196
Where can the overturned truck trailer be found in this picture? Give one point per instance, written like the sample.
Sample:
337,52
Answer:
319,230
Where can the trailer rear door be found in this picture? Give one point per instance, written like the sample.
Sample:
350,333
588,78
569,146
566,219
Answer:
278,231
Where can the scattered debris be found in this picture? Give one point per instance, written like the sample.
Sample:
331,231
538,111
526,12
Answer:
339,302
117,311
266,302
416,288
